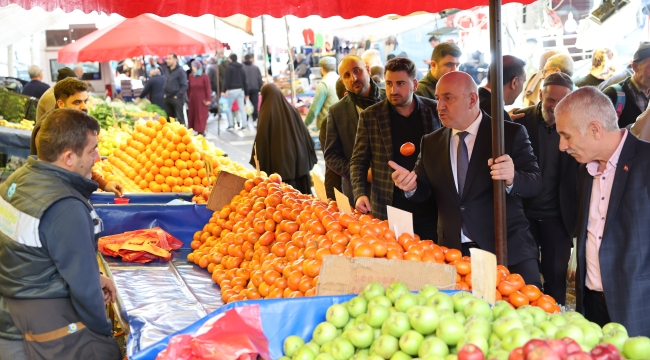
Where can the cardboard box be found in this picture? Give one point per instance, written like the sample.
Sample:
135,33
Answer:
225,188
340,275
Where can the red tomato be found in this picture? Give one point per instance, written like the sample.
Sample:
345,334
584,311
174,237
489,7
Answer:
407,149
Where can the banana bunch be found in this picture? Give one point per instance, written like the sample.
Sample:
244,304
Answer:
23,125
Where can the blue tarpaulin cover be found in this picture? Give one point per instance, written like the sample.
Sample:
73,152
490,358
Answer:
140,198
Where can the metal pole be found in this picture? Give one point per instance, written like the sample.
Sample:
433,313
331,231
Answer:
264,53
291,69
216,55
496,76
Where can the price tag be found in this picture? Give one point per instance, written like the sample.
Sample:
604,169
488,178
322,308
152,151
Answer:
484,274
400,221
343,202
319,186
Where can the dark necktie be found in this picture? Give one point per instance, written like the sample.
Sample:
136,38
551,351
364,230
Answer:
462,161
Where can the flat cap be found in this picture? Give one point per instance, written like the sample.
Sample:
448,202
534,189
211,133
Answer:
560,79
642,53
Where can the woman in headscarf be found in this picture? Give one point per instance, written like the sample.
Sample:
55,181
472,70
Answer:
200,95
283,142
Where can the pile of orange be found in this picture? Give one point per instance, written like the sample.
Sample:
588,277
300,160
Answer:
161,157
270,241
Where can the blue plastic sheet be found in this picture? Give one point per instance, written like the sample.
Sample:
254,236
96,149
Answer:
15,142
140,198
280,319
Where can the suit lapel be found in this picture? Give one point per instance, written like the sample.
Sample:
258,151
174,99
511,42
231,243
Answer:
425,115
620,178
481,146
383,123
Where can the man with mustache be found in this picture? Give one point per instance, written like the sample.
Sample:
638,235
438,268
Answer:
383,128
455,167
343,117
551,213
613,221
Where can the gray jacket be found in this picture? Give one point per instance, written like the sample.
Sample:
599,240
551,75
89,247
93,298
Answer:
253,76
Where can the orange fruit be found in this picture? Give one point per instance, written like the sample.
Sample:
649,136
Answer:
198,164
165,188
177,189
165,154
184,173
518,299
193,172
175,172
170,147
148,165
159,179
148,177
201,173
171,181
154,186
181,132
176,139
175,155
188,182
169,135
190,148
165,171
180,165
154,170
197,180
184,155
453,255
169,163
159,162
189,164
531,292
194,156
143,184
463,267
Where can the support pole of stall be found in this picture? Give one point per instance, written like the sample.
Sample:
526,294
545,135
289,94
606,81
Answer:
291,68
496,76
264,52
216,65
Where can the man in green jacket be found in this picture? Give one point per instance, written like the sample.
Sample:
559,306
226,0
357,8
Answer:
445,58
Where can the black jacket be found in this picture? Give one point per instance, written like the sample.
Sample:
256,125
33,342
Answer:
567,173
485,102
154,87
476,208
235,77
176,83
35,88
631,111
253,76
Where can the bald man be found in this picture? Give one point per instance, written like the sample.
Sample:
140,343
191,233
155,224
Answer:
455,166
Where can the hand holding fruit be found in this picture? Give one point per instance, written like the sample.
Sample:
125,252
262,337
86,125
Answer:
114,187
404,179
363,204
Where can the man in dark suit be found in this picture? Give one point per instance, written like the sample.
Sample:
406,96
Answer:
455,167
383,128
613,218
343,118
514,78
551,213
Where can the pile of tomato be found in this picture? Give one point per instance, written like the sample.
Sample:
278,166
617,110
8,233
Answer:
270,241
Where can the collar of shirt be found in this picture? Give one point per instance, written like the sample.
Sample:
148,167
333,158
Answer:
472,129
592,167
636,87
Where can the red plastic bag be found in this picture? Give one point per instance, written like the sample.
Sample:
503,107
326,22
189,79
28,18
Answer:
140,246
233,335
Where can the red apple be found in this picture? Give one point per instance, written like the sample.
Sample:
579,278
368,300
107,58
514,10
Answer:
276,178
517,354
571,345
534,344
197,190
470,352
206,194
558,346
578,355
542,353
605,352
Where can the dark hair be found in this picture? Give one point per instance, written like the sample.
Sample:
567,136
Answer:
174,56
390,57
444,49
68,87
434,38
248,57
233,57
65,72
340,89
401,64
62,130
513,67
378,71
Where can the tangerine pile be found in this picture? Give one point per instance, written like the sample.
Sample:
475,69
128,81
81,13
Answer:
270,241
161,157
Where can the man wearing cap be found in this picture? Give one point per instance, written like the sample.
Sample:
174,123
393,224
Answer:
47,101
324,98
551,213
35,88
630,96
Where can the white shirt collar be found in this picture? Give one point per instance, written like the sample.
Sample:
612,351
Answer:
472,128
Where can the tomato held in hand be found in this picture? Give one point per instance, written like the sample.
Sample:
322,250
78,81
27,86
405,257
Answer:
407,149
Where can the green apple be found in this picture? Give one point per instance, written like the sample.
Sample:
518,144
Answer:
499,354
637,347
548,328
570,331
361,319
616,337
614,326
304,353
494,341
360,355
558,320
461,299
428,290
572,315
578,321
376,316
450,331
590,335
350,324
421,299
432,357
480,327
324,332
372,290
508,312
598,329
515,338
362,352
326,348
315,348
526,318
440,301
385,346
406,301
374,357
423,319
292,344
395,290
535,332
396,325
539,315
380,300
337,315
410,342
475,339
451,357
460,317
477,317
324,356
503,325
357,306
433,346
445,313
342,349
478,307
400,355
284,358
361,336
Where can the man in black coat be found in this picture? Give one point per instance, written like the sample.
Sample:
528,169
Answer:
455,167
175,88
235,88
343,118
155,88
514,78
613,217
635,89
551,213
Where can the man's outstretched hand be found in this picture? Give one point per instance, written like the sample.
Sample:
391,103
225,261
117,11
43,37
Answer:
404,179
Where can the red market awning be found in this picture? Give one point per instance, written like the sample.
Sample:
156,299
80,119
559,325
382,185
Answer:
143,35
253,8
